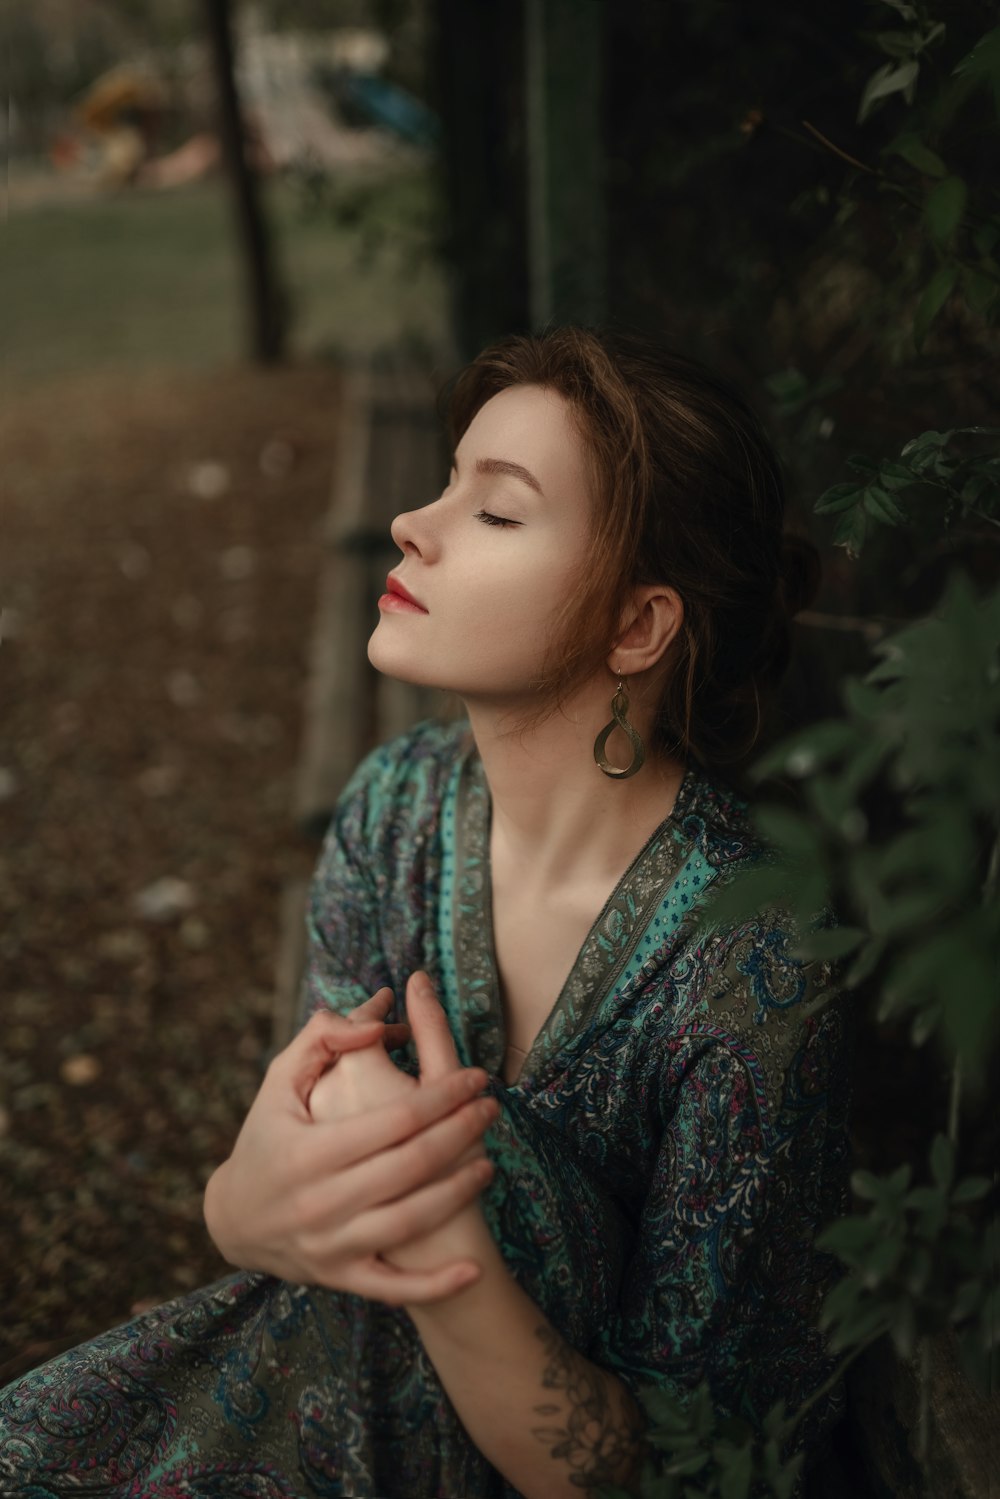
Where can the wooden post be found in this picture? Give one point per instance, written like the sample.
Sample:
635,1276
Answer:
478,87
565,160
267,305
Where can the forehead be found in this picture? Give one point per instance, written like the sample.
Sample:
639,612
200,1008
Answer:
534,426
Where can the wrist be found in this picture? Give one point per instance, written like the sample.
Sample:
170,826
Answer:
458,1318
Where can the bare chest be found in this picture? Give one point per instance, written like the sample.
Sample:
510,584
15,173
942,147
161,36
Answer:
537,942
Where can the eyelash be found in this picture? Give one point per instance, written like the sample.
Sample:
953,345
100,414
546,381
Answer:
494,520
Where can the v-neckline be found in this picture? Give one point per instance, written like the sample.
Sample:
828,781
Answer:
603,952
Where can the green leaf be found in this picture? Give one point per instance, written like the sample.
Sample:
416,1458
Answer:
802,753
934,296
824,946
840,497
904,8
897,43
918,1270
971,1189
944,208
897,1181
735,1482
984,59
685,1465
990,1317
745,896
867,1185
896,476
784,1484
879,502
942,1161
892,78
903,1328
980,290
664,1409
850,531
912,149
787,385
860,1327
848,1235
880,1262
969,1025
865,963
929,439
789,832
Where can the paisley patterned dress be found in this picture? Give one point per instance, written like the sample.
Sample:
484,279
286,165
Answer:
675,1139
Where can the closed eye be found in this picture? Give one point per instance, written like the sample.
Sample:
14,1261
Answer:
495,520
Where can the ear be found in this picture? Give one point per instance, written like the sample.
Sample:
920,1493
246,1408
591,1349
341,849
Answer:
652,618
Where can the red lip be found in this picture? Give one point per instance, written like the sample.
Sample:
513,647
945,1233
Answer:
393,585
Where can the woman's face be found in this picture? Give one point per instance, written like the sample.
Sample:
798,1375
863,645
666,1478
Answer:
494,559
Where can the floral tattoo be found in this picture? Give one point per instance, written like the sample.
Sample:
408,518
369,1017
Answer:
599,1443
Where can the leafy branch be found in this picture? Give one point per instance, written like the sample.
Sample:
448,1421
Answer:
970,483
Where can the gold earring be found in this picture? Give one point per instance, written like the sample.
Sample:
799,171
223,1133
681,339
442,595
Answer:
619,709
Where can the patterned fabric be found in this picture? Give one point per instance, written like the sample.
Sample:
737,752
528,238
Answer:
675,1139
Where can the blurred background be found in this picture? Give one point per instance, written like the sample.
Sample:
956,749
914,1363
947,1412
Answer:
245,245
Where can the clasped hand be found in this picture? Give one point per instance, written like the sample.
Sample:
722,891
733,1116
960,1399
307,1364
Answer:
345,1166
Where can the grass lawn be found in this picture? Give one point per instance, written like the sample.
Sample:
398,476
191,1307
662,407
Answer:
144,277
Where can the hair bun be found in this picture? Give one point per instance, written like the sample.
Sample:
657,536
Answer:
801,573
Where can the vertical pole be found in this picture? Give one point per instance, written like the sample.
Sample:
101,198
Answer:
566,158
266,303
536,111
478,89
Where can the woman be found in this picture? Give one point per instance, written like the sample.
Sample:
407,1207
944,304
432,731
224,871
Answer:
605,585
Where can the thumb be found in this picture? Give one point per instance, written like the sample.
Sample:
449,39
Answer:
431,1032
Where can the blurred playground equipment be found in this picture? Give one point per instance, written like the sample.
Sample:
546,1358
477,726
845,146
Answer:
312,100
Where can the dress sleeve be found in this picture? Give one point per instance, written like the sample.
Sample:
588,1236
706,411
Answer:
725,1282
367,913
341,913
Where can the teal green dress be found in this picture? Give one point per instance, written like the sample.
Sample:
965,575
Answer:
674,1141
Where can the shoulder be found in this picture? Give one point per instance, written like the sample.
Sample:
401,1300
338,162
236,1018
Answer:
406,776
716,820
748,967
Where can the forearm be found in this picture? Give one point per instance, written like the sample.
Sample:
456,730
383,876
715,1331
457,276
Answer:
553,1423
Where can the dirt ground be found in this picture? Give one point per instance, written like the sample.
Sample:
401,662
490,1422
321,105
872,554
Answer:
161,549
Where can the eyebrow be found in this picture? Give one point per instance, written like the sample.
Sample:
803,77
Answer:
505,466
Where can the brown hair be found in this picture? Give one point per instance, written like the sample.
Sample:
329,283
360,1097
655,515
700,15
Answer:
687,491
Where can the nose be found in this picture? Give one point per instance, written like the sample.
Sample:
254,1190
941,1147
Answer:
414,533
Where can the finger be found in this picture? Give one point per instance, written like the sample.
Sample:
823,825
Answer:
397,1034
375,1008
332,1194
336,1145
414,1215
431,1031
381,1282
317,1045
448,1113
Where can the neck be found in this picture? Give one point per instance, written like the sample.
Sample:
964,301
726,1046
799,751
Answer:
555,813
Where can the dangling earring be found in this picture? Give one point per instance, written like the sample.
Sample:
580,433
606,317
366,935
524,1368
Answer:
619,708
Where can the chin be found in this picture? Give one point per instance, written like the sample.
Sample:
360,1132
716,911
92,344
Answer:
396,662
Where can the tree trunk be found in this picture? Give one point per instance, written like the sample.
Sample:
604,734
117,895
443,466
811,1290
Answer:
267,304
